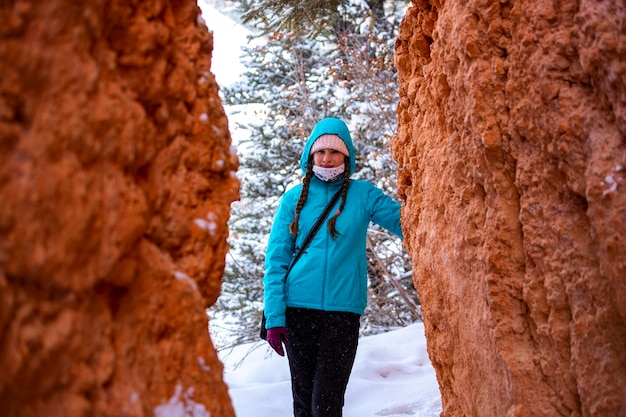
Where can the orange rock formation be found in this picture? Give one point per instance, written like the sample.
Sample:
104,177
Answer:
512,155
115,183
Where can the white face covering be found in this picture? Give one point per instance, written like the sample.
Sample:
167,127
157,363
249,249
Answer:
328,174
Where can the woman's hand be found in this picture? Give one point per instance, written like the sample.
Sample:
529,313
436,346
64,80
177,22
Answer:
276,336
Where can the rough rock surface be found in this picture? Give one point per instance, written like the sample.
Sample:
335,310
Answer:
115,183
512,155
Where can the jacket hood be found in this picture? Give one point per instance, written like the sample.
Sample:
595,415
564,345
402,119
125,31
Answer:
329,126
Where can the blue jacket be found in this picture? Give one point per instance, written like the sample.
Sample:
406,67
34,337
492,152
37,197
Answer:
331,274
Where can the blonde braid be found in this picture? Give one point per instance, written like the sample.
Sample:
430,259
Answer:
344,192
293,227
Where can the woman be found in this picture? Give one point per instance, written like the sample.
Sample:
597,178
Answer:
315,310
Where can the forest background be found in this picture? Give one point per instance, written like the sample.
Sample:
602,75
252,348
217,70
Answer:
306,61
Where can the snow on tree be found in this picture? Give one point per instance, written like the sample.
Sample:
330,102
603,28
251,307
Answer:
329,59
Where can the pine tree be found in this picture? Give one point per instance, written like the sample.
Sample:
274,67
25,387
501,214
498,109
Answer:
342,66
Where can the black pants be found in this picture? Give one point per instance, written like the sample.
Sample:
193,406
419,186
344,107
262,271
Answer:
321,349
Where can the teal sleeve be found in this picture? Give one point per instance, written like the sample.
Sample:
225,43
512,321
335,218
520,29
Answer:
280,249
385,212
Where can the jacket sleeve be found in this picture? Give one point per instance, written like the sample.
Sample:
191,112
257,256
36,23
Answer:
385,211
280,249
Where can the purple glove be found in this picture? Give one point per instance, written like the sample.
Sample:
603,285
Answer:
276,336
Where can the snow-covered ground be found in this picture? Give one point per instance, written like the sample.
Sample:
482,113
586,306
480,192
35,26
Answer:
392,375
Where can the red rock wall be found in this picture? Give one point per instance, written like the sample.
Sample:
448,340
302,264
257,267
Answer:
512,155
115,183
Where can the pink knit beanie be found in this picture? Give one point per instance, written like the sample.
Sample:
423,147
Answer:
330,142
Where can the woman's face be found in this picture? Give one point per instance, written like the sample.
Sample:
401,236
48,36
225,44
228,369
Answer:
328,158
